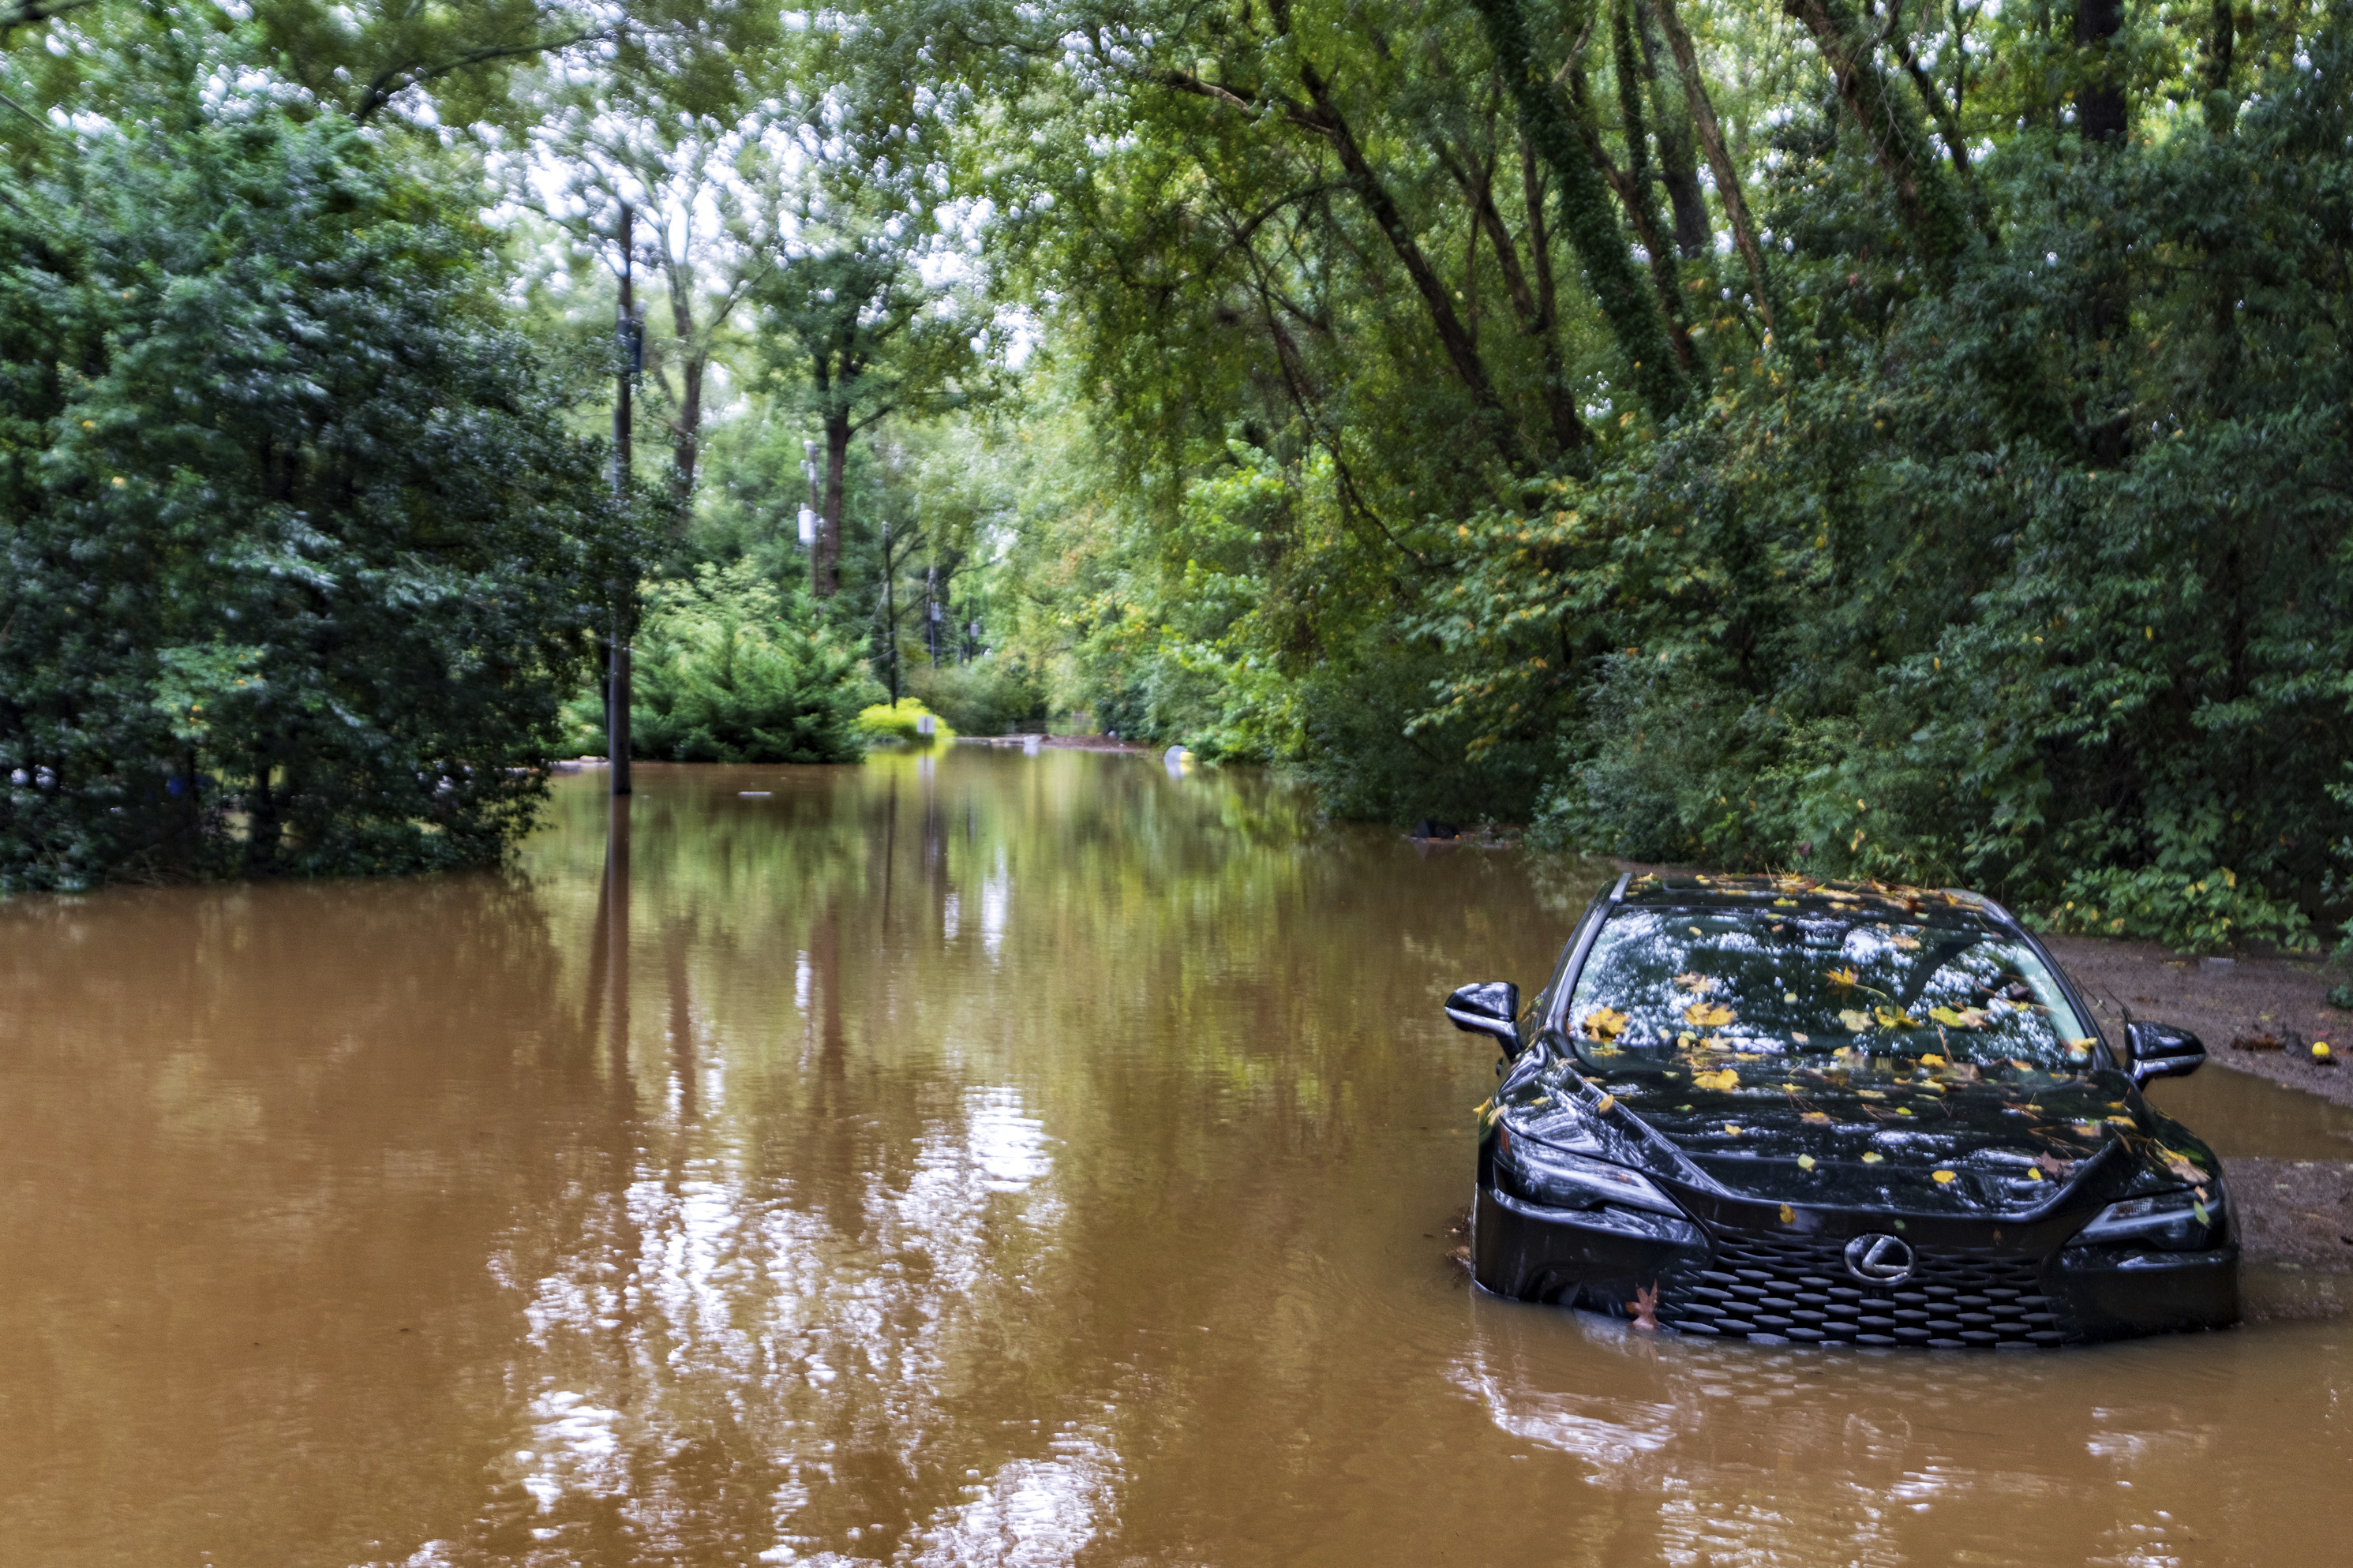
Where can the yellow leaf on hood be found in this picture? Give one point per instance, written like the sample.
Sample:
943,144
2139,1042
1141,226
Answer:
1605,1024
1842,978
1854,1020
1895,1018
1707,1015
1944,1178
1723,1080
1874,1158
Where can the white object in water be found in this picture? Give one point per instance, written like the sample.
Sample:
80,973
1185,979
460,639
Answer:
753,794
1031,744
926,725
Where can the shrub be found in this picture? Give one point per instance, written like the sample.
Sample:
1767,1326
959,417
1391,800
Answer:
989,696
724,673
896,722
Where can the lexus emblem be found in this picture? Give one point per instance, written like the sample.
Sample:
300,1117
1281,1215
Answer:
1879,1260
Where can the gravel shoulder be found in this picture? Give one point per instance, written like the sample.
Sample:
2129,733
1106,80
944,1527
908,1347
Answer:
2220,1000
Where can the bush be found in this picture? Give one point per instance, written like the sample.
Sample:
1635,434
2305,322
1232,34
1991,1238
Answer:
896,722
989,696
723,673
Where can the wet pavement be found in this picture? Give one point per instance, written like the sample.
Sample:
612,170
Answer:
971,1159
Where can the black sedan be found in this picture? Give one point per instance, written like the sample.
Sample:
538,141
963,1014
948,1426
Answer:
1778,1108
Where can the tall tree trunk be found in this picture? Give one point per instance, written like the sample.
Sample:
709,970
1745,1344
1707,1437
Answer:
1532,306
2100,101
2100,121
686,436
1587,213
1678,164
1934,220
825,570
1719,158
1461,349
2215,69
1559,395
694,359
264,816
1642,202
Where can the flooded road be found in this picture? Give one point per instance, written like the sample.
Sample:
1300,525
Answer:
978,1160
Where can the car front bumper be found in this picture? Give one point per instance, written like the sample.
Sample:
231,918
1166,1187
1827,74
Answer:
1724,1281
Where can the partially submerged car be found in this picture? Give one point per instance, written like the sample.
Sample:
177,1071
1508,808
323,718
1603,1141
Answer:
1779,1108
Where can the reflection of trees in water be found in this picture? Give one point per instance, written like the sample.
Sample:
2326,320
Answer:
265,1136
1055,1012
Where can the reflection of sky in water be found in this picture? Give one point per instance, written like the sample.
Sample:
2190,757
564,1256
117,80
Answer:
1033,1513
705,1295
996,897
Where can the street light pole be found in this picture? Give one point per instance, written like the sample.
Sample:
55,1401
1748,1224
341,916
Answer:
617,701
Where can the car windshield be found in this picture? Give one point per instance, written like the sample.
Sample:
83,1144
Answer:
1660,981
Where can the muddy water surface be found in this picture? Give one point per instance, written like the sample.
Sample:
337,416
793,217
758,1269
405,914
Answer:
971,1160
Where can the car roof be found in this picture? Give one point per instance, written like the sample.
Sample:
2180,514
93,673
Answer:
1813,895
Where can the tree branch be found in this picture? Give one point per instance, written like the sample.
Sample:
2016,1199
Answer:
393,80
1719,158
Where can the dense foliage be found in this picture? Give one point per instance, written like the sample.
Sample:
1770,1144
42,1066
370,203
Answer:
295,557
723,673
1902,443
1953,488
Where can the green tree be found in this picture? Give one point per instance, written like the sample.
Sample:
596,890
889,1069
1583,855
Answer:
299,559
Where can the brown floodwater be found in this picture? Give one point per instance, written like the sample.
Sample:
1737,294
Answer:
980,1159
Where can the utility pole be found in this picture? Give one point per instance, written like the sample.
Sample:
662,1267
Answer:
891,610
631,345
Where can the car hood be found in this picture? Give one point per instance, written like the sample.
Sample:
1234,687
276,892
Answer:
1938,1140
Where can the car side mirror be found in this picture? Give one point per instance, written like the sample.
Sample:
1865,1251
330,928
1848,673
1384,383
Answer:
2161,1050
1487,1008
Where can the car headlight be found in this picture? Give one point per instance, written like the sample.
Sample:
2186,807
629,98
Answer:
2169,1222
1559,1179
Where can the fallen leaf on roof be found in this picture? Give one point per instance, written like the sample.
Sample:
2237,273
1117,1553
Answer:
1707,1015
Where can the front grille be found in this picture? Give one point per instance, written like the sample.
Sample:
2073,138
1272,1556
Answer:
1797,1288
